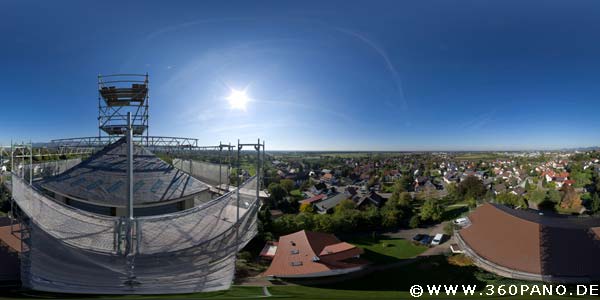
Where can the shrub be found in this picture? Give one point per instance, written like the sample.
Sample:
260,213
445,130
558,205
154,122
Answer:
460,260
414,222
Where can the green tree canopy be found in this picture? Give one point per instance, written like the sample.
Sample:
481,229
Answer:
287,184
471,187
431,210
511,200
536,196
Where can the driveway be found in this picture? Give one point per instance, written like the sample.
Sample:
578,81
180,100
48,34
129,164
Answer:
408,234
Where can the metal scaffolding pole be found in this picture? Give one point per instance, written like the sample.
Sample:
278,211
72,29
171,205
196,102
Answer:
238,179
257,148
220,172
30,162
263,164
130,219
229,166
12,187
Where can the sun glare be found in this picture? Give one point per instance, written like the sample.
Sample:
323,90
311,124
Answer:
238,99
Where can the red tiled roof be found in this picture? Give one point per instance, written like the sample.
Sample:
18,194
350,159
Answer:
12,240
335,248
313,199
297,255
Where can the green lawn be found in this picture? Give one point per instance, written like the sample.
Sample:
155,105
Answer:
383,250
454,212
389,284
236,292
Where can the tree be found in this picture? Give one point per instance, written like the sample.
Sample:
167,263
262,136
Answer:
307,208
405,200
431,210
345,205
528,187
553,196
511,200
406,182
390,217
471,202
372,181
4,199
471,187
414,222
287,184
452,192
536,196
595,204
276,192
399,187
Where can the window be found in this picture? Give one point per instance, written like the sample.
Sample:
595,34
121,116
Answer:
296,263
295,251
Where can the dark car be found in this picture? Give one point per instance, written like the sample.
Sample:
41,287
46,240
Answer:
426,240
418,237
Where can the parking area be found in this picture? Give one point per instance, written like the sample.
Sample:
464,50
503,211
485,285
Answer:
408,235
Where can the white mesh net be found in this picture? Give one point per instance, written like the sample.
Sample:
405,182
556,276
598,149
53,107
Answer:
205,171
72,226
69,250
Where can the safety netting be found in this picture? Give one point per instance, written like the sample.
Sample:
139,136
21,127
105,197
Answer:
210,173
73,251
46,169
72,226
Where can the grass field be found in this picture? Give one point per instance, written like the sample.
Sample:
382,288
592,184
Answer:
389,284
385,250
478,156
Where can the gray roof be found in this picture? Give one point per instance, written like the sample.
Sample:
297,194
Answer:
102,179
331,202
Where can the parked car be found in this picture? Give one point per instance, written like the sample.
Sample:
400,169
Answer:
426,240
461,221
418,237
437,239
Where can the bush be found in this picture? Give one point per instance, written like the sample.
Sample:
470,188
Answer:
449,228
245,255
414,222
460,260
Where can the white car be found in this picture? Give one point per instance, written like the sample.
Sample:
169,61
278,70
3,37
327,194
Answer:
437,239
461,221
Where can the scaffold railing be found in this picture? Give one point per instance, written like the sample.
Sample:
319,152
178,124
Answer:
146,141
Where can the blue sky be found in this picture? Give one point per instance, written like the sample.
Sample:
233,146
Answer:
371,75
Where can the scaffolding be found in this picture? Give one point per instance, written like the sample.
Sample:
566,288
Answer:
118,95
194,249
74,251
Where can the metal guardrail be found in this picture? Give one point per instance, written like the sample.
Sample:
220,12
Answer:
146,141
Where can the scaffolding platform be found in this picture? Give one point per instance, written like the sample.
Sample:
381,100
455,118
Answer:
119,94
124,96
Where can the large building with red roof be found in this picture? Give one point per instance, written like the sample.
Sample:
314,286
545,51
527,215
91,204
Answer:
306,254
526,245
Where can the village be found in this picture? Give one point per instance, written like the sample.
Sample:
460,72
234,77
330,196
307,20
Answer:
413,202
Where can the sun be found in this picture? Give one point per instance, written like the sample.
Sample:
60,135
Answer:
238,99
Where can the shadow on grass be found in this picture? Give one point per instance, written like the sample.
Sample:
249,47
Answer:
385,250
429,270
234,292
454,212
